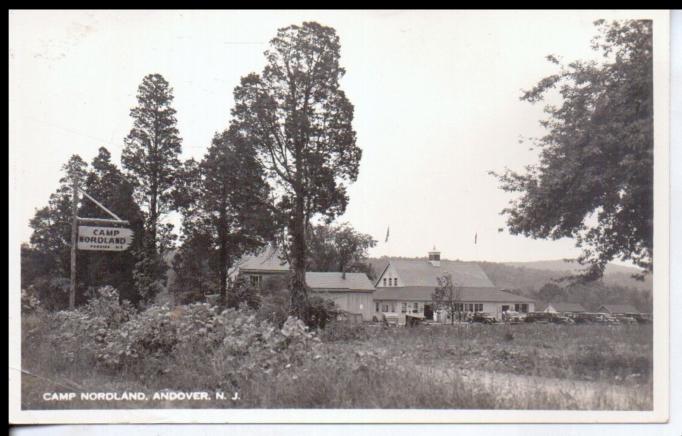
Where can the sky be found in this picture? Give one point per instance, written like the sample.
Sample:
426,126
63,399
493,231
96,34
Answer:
436,96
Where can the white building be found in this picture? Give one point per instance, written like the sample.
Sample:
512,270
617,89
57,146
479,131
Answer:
407,286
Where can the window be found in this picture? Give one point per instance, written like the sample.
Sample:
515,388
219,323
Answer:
392,307
415,308
403,309
255,281
376,307
384,281
478,308
524,308
395,281
384,307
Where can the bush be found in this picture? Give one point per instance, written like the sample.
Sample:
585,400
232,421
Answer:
242,292
251,349
321,311
52,292
231,346
29,302
83,332
274,307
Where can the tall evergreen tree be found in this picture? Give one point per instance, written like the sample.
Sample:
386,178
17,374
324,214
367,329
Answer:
225,198
151,158
152,149
299,120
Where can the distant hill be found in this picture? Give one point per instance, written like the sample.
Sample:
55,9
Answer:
615,275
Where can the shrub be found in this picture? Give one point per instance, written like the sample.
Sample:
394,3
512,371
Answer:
29,302
321,311
251,349
232,346
242,292
53,292
81,333
274,307
147,336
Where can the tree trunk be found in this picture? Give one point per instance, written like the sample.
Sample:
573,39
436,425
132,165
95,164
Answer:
297,283
153,217
222,250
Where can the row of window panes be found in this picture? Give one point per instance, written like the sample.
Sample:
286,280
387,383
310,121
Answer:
459,307
385,307
391,281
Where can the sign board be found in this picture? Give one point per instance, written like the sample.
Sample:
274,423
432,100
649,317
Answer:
104,238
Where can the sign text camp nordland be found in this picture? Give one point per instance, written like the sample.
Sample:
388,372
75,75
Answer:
104,238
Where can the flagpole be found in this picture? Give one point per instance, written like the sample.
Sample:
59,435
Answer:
386,241
478,259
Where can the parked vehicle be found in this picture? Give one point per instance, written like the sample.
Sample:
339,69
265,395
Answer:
642,318
541,317
625,319
604,318
547,317
584,318
485,318
513,317
561,319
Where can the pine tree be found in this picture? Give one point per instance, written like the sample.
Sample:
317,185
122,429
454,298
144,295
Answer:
299,120
226,201
151,158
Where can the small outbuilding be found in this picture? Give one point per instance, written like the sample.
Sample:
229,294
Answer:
564,308
618,309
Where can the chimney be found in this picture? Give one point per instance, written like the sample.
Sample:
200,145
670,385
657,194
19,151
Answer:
434,257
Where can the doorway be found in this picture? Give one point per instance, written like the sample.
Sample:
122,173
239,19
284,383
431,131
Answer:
428,311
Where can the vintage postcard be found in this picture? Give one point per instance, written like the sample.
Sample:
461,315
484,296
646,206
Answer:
339,216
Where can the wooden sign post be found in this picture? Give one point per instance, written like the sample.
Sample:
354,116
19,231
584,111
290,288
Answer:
104,238
94,238
74,236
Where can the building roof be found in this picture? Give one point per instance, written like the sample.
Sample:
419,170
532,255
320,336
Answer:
619,308
334,281
267,261
567,307
469,294
419,272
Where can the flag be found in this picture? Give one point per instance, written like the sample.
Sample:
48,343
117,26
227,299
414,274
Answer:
475,238
388,231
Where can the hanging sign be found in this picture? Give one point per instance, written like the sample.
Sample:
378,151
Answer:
104,238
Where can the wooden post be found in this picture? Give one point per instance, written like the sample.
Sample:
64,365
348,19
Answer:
74,242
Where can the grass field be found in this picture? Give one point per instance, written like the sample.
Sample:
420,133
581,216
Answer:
524,366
